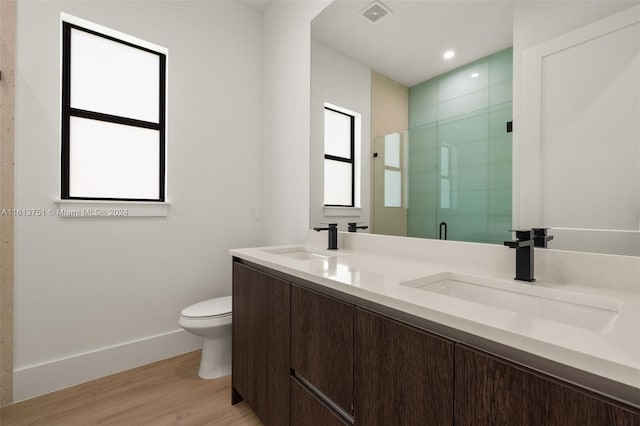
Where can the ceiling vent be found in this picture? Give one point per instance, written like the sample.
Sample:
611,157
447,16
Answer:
375,11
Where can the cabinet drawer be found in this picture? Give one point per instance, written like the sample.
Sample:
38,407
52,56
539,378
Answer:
322,344
308,410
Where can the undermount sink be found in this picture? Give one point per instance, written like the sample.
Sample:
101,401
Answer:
300,253
570,308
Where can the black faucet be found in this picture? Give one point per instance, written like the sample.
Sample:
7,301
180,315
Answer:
333,235
524,254
353,227
524,244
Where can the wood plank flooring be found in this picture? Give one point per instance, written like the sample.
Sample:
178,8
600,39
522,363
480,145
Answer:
167,392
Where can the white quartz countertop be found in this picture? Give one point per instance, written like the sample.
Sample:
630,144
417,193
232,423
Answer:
610,354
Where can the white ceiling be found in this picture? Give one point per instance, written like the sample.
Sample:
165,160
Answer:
259,5
407,45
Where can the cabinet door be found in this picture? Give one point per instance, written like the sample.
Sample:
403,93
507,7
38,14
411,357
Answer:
261,356
322,344
491,391
403,375
308,410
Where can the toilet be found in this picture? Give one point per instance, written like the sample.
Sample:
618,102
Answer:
211,320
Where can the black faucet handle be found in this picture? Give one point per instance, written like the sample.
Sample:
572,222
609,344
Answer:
540,237
330,226
540,232
353,226
523,234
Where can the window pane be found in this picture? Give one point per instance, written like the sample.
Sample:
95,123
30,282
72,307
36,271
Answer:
445,193
113,78
444,161
337,134
392,188
392,150
110,160
337,183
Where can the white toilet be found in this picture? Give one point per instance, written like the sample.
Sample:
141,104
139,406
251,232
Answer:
211,320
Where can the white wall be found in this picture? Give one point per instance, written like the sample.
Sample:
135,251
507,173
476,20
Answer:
603,135
94,296
544,22
286,41
340,81
535,22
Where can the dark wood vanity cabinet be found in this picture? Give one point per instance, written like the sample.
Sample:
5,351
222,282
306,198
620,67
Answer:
303,358
322,344
492,391
403,375
261,355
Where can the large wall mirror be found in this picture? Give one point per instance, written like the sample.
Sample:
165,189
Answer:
459,138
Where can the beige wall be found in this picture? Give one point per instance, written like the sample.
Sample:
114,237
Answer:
389,114
7,65
389,105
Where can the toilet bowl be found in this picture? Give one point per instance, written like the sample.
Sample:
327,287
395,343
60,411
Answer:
211,320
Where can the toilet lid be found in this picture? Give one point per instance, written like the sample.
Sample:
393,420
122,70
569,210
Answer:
220,306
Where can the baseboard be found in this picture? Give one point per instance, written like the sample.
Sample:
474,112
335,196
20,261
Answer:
36,380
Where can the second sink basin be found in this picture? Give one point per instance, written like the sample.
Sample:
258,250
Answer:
570,308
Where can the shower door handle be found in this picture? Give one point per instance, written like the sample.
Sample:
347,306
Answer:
442,224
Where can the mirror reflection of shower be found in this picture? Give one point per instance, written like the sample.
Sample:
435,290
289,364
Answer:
453,164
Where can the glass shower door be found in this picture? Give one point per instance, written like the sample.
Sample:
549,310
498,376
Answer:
460,153
460,178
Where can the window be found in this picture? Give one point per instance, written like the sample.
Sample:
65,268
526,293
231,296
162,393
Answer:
392,171
445,178
339,152
113,115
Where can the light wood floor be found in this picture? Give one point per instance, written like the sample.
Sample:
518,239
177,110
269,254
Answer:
167,392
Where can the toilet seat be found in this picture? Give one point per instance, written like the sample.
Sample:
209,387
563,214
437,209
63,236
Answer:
209,309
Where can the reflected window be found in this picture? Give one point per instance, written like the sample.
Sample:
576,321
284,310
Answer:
339,154
113,115
445,178
392,171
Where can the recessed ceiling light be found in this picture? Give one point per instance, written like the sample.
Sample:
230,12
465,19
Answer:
449,54
475,75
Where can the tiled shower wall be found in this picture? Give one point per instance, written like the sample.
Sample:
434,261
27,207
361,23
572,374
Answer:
460,152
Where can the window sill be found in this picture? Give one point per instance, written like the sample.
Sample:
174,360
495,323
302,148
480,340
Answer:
343,211
111,209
